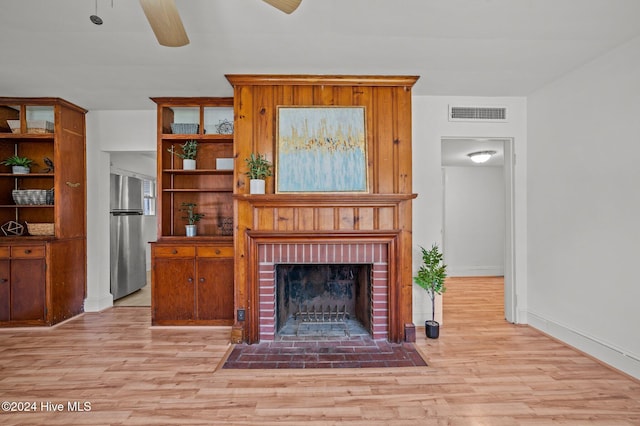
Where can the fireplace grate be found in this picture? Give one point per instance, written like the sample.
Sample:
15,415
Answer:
322,315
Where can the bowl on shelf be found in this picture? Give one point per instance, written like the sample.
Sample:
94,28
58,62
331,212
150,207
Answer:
39,126
14,125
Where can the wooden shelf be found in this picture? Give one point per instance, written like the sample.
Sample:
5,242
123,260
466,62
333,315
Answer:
24,206
27,175
206,138
198,172
197,190
27,137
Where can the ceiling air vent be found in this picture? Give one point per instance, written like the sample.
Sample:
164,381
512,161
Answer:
463,113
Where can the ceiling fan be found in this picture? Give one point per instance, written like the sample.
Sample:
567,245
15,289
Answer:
166,24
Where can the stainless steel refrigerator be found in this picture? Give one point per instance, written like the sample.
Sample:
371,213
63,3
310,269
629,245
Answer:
128,260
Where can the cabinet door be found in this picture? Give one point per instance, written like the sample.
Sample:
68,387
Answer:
173,289
215,288
5,301
27,289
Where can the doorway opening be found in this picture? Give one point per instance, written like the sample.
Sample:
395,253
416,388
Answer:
478,222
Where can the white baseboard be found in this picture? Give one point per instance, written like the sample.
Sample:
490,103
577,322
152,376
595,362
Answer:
522,317
608,353
97,304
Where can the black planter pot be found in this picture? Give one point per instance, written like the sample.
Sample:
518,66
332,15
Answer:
432,329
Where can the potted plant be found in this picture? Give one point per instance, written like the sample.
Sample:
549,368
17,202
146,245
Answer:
20,165
192,218
188,154
431,275
259,169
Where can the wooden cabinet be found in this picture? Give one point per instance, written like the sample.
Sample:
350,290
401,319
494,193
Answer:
192,284
43,212
24,277
192,277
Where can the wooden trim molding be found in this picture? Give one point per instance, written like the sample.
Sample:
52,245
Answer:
320,80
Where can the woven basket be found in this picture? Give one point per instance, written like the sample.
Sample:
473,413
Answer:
40,228
32,196
185,128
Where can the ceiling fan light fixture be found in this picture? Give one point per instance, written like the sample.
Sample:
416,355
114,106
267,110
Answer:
95,18
481,156
165,22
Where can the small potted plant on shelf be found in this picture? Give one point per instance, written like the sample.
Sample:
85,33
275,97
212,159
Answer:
431,275
192,218
19,165
259,169
188,154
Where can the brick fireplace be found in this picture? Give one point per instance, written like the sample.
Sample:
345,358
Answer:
374,254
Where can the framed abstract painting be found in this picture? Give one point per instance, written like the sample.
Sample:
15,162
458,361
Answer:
321,149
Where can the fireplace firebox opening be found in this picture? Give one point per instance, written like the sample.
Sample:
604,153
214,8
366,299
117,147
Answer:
323,299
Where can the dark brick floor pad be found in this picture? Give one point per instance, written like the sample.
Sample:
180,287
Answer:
355,352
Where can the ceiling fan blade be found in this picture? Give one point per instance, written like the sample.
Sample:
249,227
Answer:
165,22
287,6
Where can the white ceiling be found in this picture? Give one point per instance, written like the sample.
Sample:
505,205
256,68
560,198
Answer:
457,47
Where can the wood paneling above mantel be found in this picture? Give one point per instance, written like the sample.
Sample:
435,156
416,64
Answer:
385,208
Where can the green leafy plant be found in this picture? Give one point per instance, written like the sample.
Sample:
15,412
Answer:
15,160
192,217
189,150
259,166
431,274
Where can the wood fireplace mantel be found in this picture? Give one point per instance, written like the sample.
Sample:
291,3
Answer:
382,214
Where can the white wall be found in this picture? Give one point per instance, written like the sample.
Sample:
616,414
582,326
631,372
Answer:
474,221
584,199
132,131
430,126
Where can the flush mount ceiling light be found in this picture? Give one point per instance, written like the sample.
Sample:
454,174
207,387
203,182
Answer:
481,156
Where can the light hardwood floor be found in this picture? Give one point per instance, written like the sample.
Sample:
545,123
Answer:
482,371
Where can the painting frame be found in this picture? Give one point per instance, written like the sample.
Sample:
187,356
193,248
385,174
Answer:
321,149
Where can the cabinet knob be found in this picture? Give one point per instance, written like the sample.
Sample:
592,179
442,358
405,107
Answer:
190,279
27,251
174,251
4,280
217,251
201,279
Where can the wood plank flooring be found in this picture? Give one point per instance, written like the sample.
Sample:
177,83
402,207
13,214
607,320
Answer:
482,371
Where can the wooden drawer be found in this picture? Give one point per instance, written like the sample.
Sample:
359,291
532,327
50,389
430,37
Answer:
5,252
174,251
215,251
27,252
